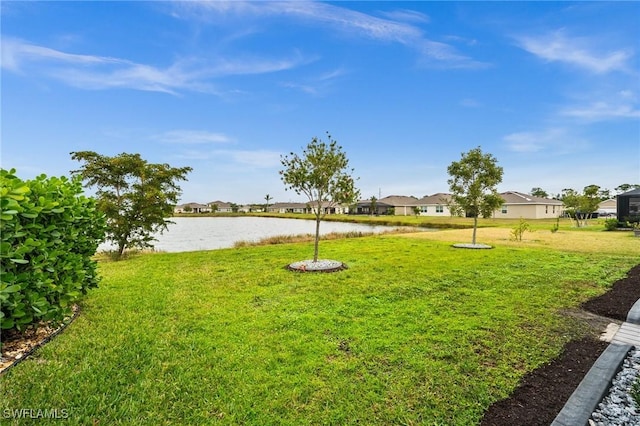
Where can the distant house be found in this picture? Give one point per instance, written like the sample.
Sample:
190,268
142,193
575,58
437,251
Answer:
517,204
192,208
608,207
331,208
628,206
289,208
220,207
371,208
401,204
434,205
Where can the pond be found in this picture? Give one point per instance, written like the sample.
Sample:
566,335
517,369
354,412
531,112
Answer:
209,233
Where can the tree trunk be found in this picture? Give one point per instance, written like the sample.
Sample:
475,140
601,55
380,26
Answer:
475,227
315,249
121,246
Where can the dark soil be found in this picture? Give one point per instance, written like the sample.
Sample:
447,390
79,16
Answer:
543,392
617,302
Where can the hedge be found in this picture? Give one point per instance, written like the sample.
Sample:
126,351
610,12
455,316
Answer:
49,232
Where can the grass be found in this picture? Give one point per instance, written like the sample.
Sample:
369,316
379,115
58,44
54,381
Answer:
414,332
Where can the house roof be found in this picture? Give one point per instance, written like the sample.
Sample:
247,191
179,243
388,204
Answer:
194,205
435,199
610,203
629,193
514,197
221,204
288,205
398,200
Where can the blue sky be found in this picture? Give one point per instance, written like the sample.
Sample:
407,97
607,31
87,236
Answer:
551,89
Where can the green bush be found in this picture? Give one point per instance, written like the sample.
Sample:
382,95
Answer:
48,233
611,224
518,231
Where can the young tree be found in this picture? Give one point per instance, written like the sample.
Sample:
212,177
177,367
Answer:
581,206
473,186
321,174
590,200
134,195
374,205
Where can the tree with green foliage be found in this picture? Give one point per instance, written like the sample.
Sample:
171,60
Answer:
374,205
581,206
539,192
135,196
321,174
473,186
625,187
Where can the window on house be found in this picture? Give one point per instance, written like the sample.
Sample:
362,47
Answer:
439,209
546,209
423,209
554,209
504,209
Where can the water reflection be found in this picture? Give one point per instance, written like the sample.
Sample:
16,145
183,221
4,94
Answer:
209,233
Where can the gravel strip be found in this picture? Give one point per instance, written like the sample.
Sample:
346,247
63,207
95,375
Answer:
321,265
618,408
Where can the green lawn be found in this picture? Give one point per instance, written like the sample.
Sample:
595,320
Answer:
414,332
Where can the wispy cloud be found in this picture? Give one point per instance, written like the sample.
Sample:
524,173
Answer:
598,111
407,15
397,27
318,85
16,53
192,137
99,72
235,158
577,51
554,140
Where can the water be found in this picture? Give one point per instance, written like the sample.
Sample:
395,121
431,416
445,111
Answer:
209,233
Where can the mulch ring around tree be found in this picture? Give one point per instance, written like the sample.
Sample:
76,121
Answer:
321,265
544,391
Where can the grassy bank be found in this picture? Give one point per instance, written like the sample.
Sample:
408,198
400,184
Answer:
414,332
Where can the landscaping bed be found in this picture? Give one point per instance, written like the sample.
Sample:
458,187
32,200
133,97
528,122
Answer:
543,392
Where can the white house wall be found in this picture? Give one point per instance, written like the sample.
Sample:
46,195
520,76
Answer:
537,211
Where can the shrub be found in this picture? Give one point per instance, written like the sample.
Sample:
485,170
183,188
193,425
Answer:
519,230
49,231
611,224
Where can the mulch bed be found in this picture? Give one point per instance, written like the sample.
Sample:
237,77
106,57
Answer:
543,392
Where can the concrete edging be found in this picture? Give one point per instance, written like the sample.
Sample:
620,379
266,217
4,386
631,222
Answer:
595,385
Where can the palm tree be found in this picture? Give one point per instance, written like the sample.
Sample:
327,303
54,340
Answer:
267,198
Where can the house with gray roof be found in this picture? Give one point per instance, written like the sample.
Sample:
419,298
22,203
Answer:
192,208
434,205
220,206
518,205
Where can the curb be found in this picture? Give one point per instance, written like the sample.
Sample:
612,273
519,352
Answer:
595,385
